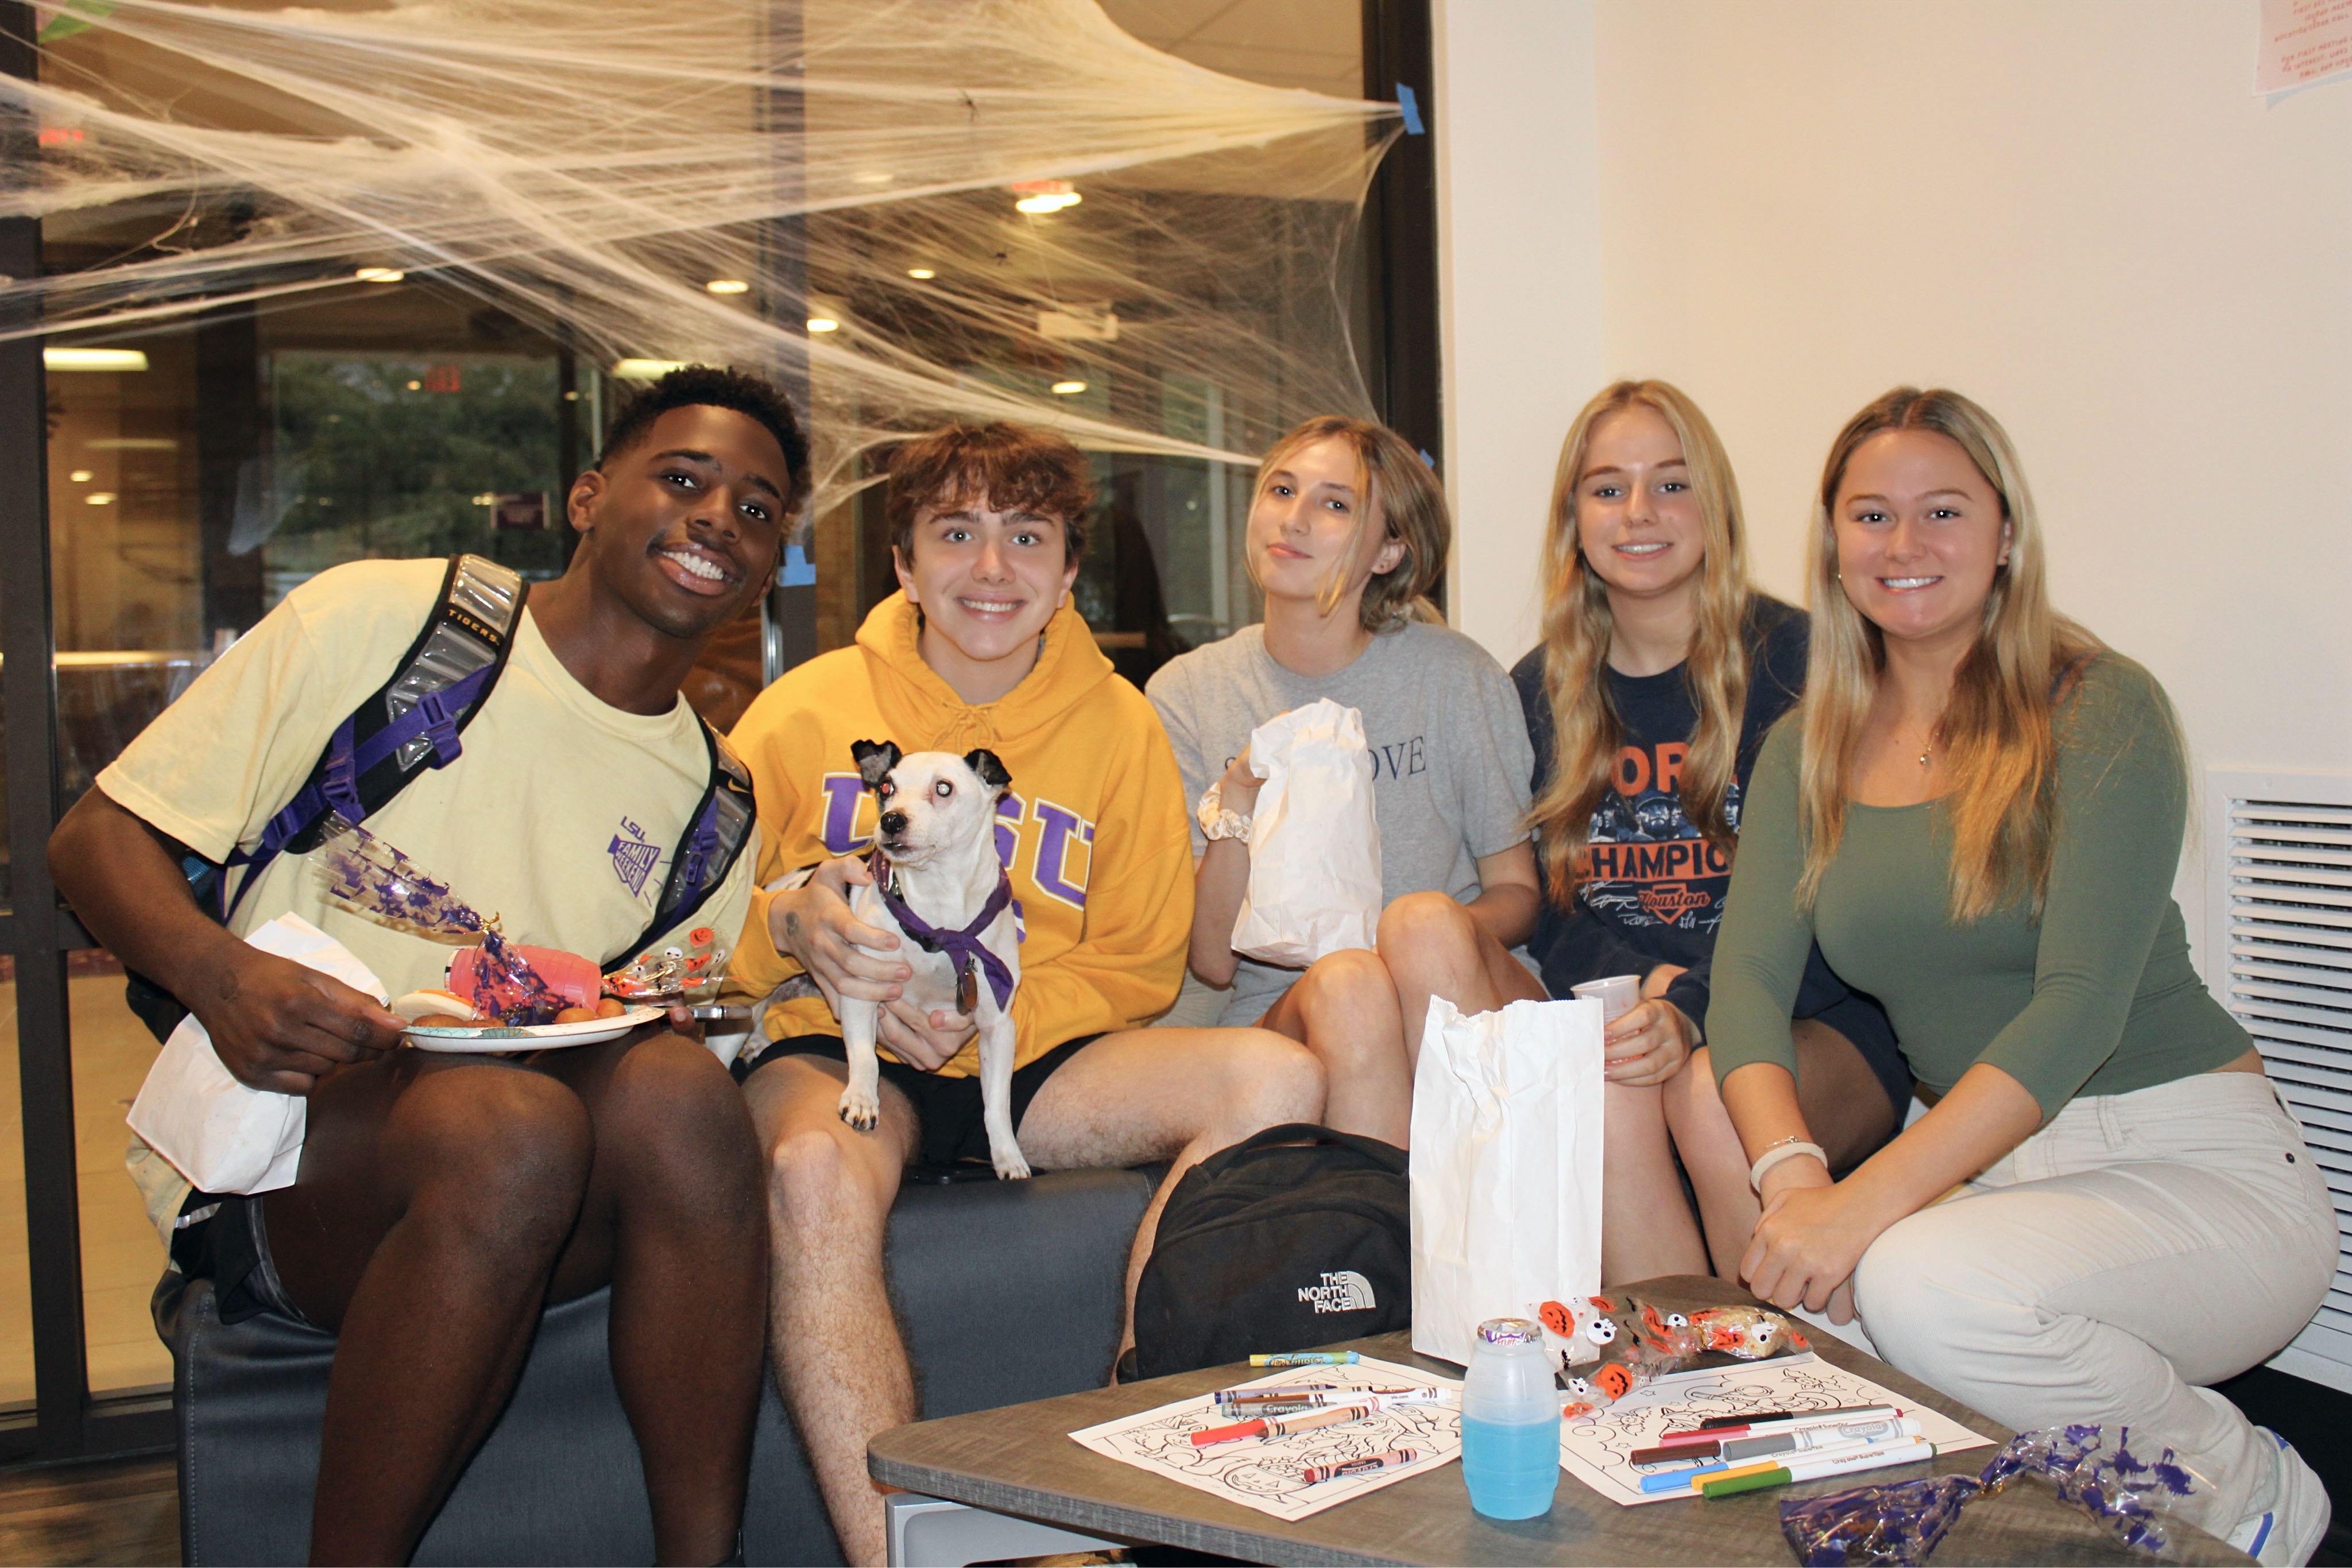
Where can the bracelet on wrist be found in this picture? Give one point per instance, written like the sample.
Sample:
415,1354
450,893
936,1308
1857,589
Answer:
1785,1149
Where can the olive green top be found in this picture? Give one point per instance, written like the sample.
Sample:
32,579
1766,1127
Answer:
2097,998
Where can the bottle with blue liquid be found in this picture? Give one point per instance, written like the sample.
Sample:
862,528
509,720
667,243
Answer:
1510,1421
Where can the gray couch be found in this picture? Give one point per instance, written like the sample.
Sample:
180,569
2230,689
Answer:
1008,1292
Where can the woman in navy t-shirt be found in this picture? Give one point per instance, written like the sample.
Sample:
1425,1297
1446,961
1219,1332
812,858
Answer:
1661,669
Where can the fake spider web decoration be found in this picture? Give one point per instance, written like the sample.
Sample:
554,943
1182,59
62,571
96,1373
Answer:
591,165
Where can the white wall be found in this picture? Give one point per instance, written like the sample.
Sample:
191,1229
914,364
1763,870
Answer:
2073,210
1519,286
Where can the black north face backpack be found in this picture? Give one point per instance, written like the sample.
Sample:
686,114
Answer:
1297,1238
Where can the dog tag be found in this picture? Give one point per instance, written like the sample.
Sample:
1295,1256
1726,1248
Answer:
968,988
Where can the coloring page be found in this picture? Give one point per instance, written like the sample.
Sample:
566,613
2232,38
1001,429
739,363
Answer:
1266,1474
1597,1449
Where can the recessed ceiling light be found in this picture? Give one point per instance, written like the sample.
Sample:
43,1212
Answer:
921,274
99,497
1050,203
93,359
416,386
81,475
379,275
874,177
645,370
728,286
822,324
1067,389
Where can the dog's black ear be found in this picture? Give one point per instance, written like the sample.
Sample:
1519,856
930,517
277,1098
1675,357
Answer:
992,772
875,761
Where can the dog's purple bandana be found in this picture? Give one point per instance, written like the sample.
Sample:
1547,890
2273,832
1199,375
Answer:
964,946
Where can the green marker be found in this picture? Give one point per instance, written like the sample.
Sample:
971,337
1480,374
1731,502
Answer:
1876,1457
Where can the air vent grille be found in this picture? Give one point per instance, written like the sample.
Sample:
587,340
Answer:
2279,956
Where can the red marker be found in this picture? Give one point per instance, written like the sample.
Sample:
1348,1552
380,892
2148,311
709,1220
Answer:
1778,1424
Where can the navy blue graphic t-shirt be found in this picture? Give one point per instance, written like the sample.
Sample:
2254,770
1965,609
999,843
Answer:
1656,891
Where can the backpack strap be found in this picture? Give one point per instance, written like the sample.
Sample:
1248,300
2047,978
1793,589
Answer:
716,837
434,694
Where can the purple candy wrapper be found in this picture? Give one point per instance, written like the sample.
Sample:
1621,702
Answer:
1902,1522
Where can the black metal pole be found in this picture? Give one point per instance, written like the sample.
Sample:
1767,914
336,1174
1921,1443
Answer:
788,619
29,691
1400,230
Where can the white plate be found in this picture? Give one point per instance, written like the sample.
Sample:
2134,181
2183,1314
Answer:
531,1036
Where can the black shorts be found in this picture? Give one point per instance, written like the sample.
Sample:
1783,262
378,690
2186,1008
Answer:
948,1111
230,1247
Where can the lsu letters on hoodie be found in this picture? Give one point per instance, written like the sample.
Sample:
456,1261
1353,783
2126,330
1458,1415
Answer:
1094,828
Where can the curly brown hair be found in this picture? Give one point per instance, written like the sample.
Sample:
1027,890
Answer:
1008,468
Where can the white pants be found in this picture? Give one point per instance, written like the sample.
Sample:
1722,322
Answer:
2139,1245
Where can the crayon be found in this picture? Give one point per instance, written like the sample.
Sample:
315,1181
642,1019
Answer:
1264,1427
1315,1474
1307,1358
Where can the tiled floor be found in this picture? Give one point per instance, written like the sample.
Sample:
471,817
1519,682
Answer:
120,1253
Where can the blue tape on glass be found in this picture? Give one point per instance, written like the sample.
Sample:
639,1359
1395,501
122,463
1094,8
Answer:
1411,108
798,571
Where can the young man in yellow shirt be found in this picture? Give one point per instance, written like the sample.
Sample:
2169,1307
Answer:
442,1198
980,648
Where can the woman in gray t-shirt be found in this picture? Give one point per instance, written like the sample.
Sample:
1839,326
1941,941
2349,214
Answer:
1347,529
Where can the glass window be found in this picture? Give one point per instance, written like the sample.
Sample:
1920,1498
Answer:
15,1280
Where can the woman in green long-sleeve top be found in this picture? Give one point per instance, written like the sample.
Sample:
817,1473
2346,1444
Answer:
1978,812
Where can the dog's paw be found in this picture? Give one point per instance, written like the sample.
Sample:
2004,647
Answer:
861,1110
1010,1165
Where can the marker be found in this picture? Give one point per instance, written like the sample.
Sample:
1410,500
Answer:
1682,1480
1877,1457
1323,1395
1308,1358
1315,1474
1752,1427
1798,1439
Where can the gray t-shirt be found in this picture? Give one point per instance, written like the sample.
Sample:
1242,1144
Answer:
1450,761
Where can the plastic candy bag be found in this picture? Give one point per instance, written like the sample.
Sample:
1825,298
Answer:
1902,1522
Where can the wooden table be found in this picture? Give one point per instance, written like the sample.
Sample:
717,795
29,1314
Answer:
1020,1461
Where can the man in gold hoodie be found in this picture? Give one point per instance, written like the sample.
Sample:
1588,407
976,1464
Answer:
980,648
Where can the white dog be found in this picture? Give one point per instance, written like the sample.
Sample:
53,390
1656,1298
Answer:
939,884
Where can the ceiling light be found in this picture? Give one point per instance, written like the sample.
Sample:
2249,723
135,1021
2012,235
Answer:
379,275
822,324
81,475
1069,389
1045,196
728,286
416,386
921,274
131,443
645,370
874,177
99,497
93,359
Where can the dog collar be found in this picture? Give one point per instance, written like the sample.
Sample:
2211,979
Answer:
964,946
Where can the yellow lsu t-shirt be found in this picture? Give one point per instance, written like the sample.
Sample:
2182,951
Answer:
560,817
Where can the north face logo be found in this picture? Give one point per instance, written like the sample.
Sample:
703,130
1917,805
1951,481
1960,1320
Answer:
1345,1292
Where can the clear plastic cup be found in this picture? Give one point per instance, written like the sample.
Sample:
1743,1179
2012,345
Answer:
1618,995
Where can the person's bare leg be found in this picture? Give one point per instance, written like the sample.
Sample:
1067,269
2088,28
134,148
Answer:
1344,1010
1844,1104
1647,1226
839,1360
1167,1094
674,1219
1433,947
434,1198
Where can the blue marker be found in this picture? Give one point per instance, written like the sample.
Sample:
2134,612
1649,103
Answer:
1676,1480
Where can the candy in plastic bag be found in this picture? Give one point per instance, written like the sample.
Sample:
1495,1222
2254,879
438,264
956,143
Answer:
1902,1522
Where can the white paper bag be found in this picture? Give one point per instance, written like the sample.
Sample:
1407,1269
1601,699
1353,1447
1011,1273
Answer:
1315,842
1505,1166
220,1134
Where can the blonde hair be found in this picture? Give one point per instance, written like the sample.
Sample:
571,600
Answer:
1996,729
1393,485
1578,626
